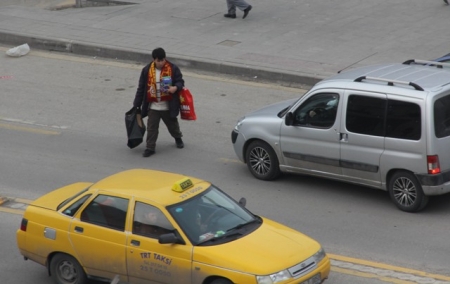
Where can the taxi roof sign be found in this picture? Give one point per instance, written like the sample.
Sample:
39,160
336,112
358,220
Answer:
182,185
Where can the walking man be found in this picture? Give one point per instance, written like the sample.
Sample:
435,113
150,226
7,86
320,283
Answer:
158,96
241,4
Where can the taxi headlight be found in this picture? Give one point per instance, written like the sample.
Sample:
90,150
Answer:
238,124
318,256
273,278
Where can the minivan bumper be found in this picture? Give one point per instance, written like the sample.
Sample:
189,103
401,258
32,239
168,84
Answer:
435,184
238,144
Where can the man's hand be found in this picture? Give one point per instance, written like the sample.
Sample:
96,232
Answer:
172,89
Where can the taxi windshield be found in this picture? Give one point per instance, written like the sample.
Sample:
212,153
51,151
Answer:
213,215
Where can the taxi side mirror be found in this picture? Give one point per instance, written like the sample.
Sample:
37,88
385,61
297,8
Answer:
243,201
289,119
170,238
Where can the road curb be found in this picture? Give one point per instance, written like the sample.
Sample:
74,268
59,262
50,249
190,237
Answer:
245,72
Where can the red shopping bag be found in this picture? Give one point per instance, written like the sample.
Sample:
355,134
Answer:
187,111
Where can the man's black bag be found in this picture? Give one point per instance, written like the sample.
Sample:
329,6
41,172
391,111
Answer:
135,127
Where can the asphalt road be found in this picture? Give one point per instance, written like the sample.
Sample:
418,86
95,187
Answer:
62,121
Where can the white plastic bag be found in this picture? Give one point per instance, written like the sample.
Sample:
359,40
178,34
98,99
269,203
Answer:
17,51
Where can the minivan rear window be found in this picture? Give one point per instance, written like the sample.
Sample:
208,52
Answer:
380,117
403,120
442,117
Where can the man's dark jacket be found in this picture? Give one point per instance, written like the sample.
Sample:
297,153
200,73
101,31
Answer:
141,100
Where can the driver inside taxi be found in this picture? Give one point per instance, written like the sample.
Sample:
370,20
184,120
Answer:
153,223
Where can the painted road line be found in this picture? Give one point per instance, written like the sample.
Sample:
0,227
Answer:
383,272
29,129
368,275
12,211
13,205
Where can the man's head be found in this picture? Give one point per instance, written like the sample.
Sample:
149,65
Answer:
151,216
159,57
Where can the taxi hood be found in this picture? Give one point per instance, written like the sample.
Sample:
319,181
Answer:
54,198
270,248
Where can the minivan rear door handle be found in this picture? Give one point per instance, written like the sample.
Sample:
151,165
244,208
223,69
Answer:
343,137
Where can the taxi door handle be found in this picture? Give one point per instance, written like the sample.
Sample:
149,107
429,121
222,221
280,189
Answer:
135,243
79,229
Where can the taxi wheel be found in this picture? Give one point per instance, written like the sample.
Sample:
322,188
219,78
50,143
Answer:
221,281
406,192
262,161
66,270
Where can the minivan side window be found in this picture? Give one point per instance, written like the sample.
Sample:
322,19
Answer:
442,117
317,111
403,120
366,115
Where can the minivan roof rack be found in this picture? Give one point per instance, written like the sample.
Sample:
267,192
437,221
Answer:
427,62
389,82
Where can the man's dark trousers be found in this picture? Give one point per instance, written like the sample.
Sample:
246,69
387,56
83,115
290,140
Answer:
154,117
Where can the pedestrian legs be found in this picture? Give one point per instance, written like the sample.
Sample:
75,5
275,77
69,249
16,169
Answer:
232,4
154,117
172,124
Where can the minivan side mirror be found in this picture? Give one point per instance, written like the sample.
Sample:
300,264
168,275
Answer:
289,119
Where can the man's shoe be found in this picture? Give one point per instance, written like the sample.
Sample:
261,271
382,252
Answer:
147,153
228,15
246,11
446,2
179,142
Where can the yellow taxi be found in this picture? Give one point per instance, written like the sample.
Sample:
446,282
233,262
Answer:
147,226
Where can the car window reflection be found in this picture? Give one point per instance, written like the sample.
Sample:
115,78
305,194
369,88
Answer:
106,211
150,221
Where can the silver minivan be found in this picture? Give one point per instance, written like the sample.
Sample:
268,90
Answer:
383,126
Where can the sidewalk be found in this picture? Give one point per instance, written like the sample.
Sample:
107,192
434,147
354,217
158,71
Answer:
289,42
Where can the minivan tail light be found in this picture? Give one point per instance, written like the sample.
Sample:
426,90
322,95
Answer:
24,224
433,165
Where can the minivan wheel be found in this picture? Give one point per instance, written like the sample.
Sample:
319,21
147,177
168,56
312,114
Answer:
406,192
66,270
262,161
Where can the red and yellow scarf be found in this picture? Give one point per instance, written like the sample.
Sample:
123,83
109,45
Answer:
166,70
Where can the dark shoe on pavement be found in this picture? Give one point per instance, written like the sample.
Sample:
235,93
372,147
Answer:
446,2
179,142
147,153
228,15
246,11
